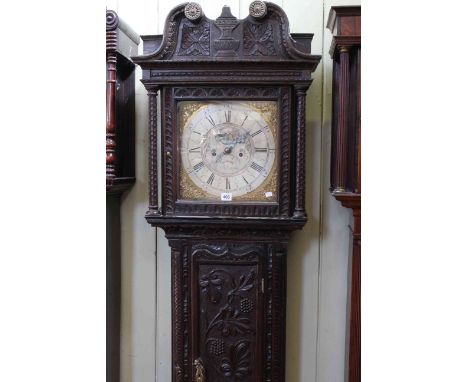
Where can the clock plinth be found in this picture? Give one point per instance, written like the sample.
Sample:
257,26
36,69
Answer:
232,144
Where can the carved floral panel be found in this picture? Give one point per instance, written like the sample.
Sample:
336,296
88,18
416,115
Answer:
195,40
227,326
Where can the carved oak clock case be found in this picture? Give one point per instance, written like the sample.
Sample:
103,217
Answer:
232,143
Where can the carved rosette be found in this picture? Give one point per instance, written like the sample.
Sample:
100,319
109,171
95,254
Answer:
193,11
257,9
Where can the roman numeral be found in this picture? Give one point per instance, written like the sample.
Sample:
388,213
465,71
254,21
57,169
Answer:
245,180
228,184
194,150
244,120
227,115
198,166
256,133
256,167
210,179
261,149
210,120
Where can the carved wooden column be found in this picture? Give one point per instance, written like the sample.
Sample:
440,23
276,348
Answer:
120,169
153,153
111,62
345,179
299,209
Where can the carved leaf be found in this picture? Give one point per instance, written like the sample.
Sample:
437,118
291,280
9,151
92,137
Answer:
229,322
247,283
237,366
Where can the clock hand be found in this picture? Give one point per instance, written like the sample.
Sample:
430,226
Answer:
226,151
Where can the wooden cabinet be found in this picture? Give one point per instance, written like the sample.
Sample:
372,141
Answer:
120,168
121,42
345,176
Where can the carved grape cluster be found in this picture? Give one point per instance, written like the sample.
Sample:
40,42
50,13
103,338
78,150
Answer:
246,305
216,347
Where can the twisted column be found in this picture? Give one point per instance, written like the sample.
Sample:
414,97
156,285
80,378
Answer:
153,151
299,208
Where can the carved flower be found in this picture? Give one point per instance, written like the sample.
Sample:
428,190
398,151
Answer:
258,40
212,284
195,40
237,366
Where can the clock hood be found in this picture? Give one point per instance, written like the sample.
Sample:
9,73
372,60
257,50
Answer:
261,41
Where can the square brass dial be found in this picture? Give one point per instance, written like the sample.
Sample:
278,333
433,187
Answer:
228,150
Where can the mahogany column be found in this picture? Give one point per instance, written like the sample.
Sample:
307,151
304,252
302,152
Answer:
111,63
341,133
120,169
345,172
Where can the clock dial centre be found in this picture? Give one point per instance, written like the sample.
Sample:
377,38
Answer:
233,147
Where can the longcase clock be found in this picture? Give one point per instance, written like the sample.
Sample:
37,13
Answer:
232,143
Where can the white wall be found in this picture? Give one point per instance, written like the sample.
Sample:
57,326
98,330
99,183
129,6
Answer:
318,255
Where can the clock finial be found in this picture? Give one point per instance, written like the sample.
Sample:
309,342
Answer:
257,9
193,11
